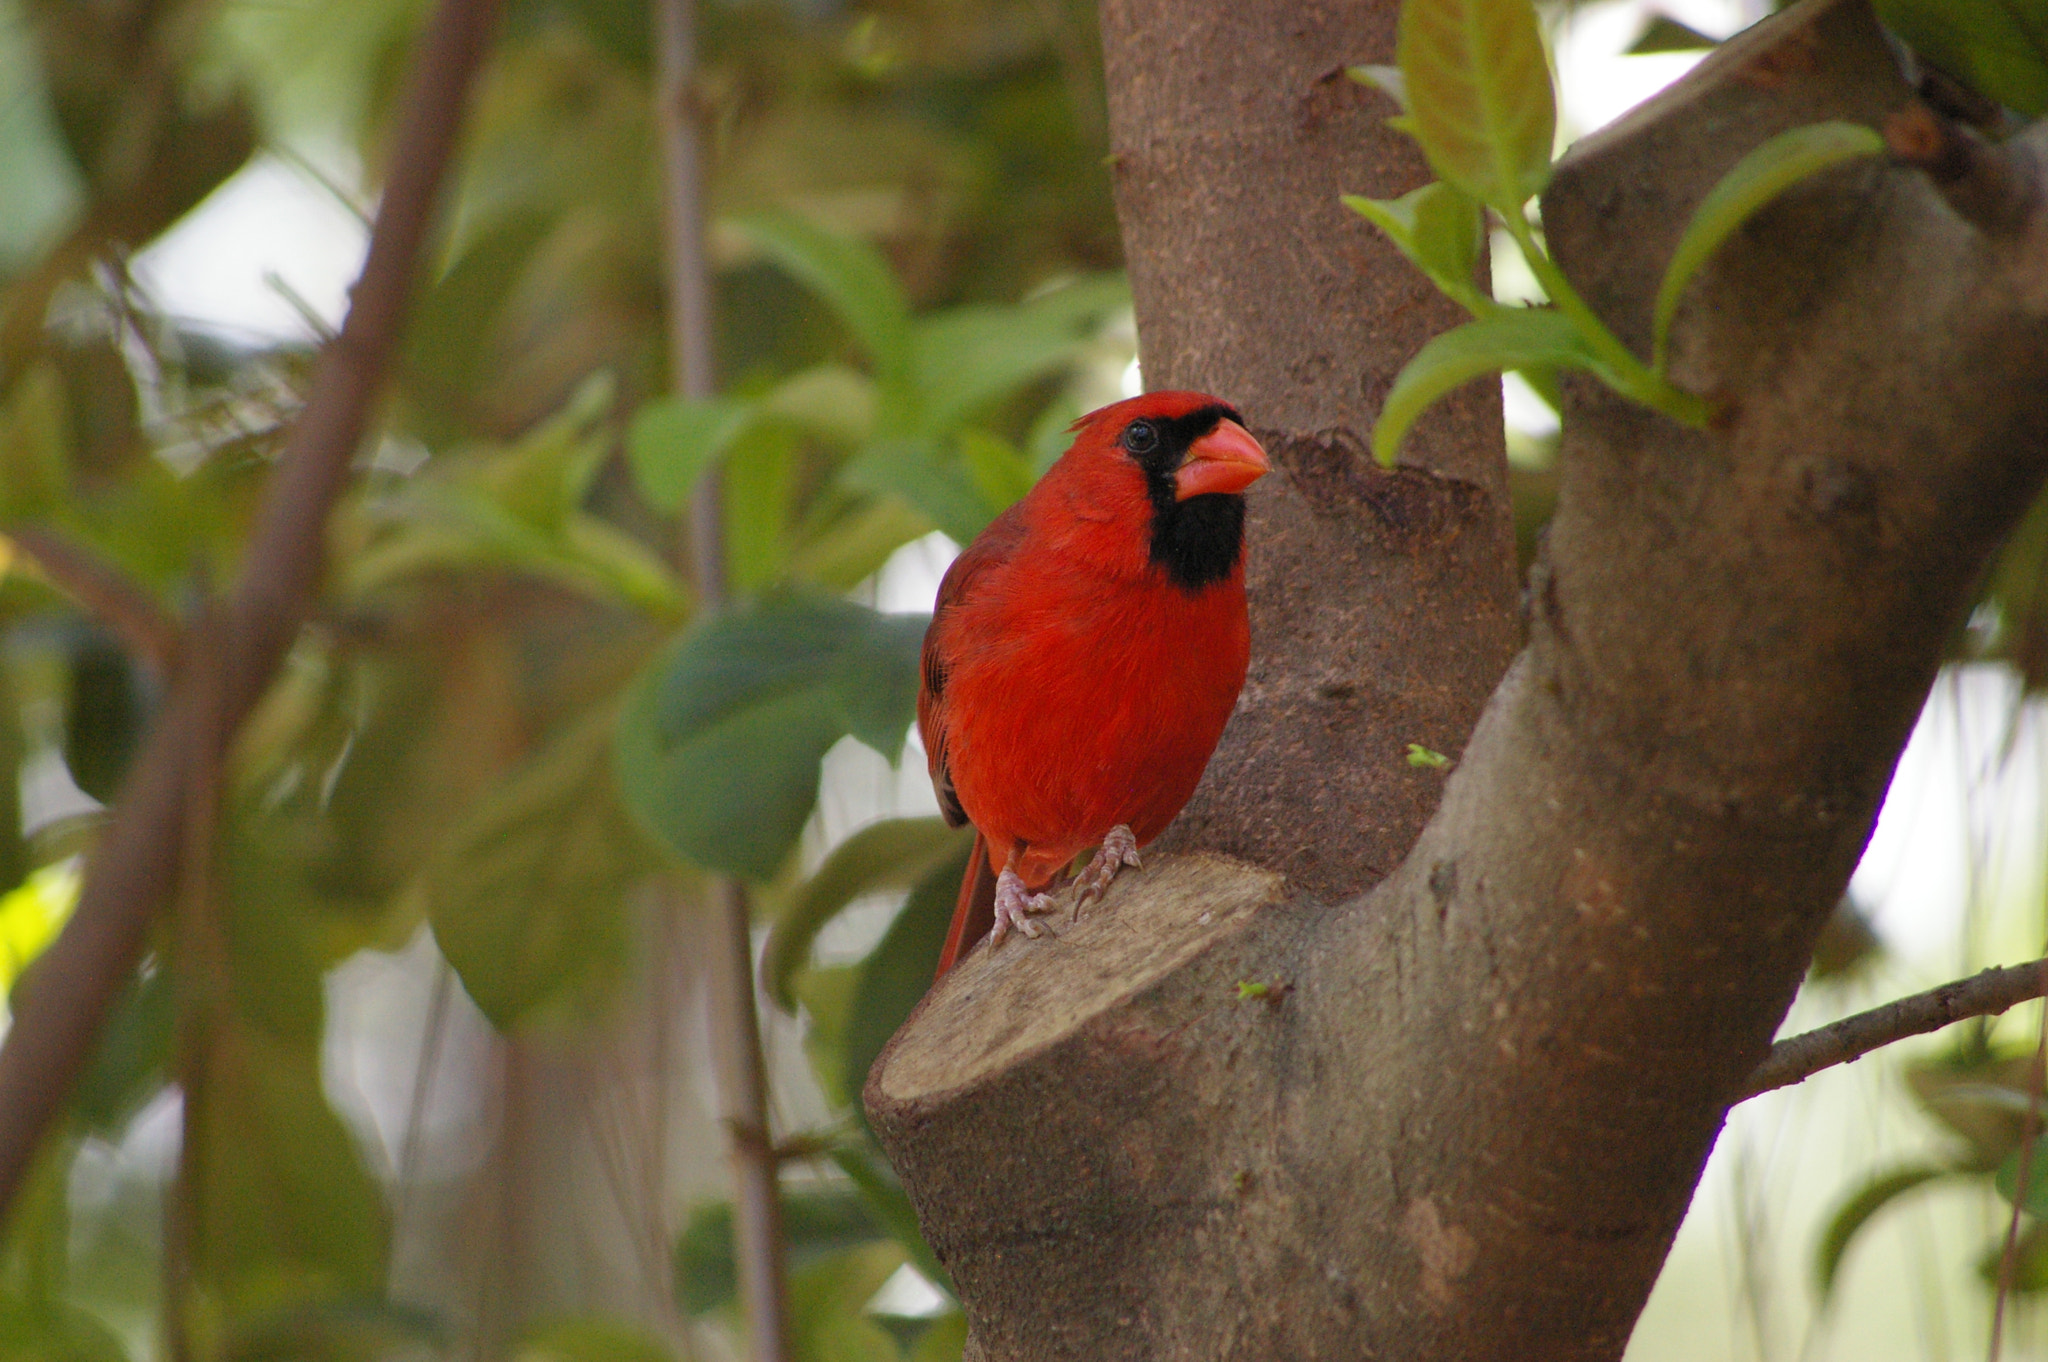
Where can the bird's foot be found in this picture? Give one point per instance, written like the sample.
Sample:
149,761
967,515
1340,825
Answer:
1015,906
1118,850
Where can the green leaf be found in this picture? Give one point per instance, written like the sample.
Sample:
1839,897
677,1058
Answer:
1509,339
824,992
857,283
863,1164
1386,79
2029,1272
829,401
15,862
1855,1212
34,434
283,1187
528,895
817,1222
1479,93
854,545
941,489
2007,1178
128,1064
543,478
1755,180
718,748
943,1340
1440,230
899,970
590,1340
1418,755
828,1305
674,439
447,346
104,714
1665,34
997,470
892,854
758,485
51,1331
1998,48
968,358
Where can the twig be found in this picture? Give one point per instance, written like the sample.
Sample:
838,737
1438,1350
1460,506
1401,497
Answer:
199,979
110,595
58,1017
2030,1129
1981,995
743,1086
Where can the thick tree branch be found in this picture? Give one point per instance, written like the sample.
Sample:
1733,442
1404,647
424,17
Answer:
1466,1113
58,1014
108,594
1797,1058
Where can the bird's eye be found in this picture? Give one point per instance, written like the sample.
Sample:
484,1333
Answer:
1141,437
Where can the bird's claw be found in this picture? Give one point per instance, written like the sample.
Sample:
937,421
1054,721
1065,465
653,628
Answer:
1118,849
1015,906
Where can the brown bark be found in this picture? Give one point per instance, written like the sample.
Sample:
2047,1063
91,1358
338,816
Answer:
1462,1114
1382,604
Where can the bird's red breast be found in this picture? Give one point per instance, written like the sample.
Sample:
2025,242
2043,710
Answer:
1087,649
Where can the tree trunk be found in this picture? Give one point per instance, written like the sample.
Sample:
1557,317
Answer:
1247,1112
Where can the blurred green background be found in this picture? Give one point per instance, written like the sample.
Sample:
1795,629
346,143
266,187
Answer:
456,1101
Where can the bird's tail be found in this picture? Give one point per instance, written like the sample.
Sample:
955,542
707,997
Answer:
974,914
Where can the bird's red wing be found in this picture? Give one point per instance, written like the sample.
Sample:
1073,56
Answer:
993,547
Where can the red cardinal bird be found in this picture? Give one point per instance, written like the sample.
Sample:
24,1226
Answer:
1085,653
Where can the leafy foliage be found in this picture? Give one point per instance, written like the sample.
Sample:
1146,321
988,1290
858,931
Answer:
1476,95
719,748
914,249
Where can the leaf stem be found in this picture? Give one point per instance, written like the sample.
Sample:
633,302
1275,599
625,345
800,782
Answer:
1627,374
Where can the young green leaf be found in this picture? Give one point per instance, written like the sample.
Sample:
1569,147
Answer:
674,439
1479,92
1418,755
1756,179
1439,229
1386,79
1508,339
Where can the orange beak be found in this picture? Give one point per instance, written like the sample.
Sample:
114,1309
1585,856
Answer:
1227,459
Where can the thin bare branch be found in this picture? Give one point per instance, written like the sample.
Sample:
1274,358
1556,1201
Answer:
2030,1128
743,1082
110,595
1981,995
58,1017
